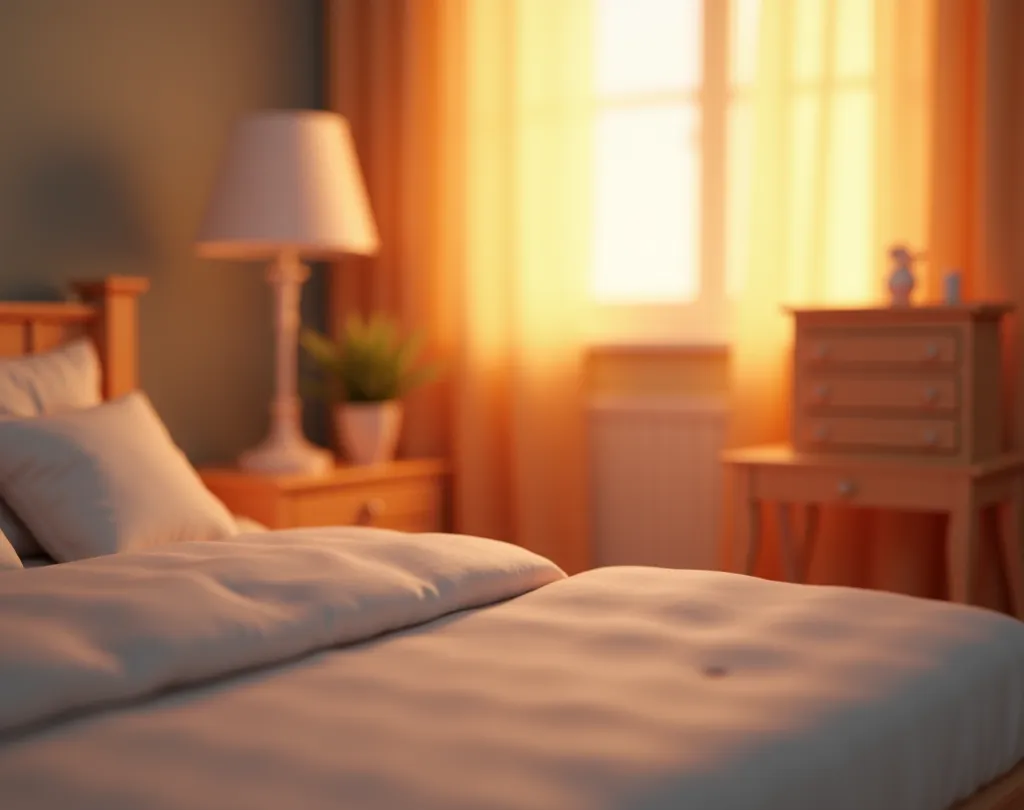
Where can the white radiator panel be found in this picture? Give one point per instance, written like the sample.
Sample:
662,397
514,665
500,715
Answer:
656,480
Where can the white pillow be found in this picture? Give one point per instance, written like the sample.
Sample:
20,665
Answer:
103,480
9,558
61,379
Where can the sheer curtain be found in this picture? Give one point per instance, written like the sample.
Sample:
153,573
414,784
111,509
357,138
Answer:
474,121
842,168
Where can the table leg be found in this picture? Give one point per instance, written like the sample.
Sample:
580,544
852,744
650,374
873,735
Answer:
812,518
1012,545
796,556
962,548
746,525
787,543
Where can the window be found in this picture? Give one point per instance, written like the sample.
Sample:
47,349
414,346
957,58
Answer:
672,166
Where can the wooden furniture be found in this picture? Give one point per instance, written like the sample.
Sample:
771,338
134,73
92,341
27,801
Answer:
896,408
404,495
108,313
789,478
918,382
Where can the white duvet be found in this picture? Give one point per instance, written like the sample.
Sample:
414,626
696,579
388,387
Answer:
360,670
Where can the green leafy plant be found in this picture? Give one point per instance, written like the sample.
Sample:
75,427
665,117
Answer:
369,361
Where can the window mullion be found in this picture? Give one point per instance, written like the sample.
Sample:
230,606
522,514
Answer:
714,144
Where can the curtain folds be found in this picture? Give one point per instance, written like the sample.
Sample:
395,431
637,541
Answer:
473,129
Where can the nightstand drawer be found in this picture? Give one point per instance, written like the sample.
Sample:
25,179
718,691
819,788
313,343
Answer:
823,394
407,495
390,504
920,349
918,436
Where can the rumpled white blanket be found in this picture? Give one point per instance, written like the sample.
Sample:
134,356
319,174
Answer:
122,626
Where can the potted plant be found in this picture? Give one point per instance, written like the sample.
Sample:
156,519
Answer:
363,373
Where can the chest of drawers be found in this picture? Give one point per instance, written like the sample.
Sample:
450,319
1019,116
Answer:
914,382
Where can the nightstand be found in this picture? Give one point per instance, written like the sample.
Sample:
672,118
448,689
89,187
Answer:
406,495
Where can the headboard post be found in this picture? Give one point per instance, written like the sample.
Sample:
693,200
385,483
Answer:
115,331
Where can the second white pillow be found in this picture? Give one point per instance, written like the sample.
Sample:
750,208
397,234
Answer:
104,480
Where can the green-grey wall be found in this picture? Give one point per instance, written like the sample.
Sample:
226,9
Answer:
113,114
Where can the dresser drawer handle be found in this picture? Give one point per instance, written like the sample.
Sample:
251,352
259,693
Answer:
931,395
931,352
822,393
821,434
820,352
846,488
931,438
369,511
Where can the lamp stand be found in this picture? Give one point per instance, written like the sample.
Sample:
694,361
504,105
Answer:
286,450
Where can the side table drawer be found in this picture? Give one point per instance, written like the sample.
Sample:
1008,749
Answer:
883,489
389,505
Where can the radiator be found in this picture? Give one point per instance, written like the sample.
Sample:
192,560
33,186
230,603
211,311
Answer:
656,480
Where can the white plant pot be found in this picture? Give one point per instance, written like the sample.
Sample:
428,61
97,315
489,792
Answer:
368,431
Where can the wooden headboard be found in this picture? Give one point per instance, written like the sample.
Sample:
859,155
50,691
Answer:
108,313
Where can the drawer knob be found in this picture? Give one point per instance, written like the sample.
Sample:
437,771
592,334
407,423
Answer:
931,438
846,488
370,511
820,351
931,395
821,433
931,352
821,393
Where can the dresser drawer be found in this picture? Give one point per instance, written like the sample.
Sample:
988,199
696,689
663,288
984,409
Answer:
918,436
918,349
821,394
387,505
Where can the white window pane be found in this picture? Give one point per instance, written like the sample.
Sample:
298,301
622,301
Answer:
647,196
855,40
648,45
744,19
739,177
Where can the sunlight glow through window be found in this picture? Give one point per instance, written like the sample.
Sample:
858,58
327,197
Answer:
647,155
648,161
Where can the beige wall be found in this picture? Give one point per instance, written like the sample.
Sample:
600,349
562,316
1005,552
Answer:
113,115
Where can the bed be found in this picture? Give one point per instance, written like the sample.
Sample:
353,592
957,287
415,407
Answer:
356,668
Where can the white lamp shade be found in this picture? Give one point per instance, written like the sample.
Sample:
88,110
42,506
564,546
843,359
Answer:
290,181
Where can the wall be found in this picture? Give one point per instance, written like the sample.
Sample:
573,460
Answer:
114,115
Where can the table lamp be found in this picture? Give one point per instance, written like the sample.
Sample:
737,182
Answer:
289,189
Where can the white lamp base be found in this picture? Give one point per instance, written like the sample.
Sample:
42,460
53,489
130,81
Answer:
276,456
286,451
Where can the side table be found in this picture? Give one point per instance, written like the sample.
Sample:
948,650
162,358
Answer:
789,478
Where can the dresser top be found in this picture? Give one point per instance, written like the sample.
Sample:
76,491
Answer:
930,313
